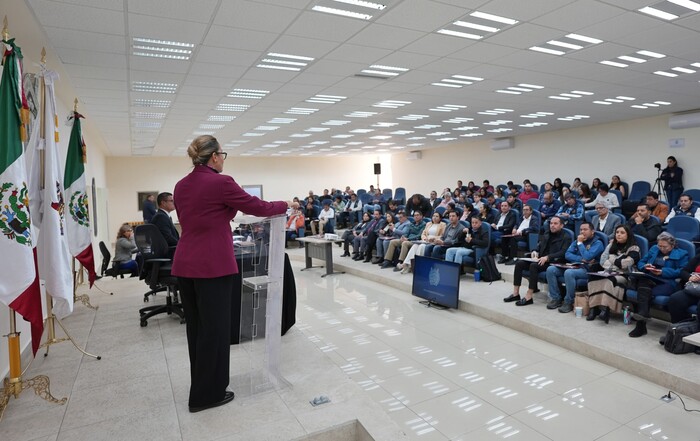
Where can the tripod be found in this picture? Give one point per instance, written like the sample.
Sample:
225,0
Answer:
659,186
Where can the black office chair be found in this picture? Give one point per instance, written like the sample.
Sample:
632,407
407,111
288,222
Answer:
156,272
112,270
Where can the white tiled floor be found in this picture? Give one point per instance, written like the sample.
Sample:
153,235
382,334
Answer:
380,356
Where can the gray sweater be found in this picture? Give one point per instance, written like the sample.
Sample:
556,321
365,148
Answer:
124,248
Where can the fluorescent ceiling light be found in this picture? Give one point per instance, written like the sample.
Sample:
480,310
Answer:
364,4
605,103
657,13
491,17
270,66
464,77
570,95
466,24
614,100
663,103
281,121
626,98
147,125
582,92
651,54
614,63
457,86
532,86
632,59
557,97
341,12
362,131
564,44
693,6
639,106
450,80
291,57
683,70
146,86
155,55
163,42
379,72
163,49
266,128
211,126
224,118
151,103
665,74
385,124
460,34
290,63
651,104
232,107
150,115
512,92
695,64
382,67
584,38
519,89
546,50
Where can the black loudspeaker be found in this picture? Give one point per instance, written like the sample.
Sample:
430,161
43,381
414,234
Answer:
377,168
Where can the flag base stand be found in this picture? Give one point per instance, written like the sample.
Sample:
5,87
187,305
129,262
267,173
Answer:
50,325
15,385
85,300
78,280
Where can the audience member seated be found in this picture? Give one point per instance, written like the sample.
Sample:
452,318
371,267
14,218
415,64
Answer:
606,293
478,202
475,236
528,193
657,209
584,255
354,235
585,195
681,300
310,215
643,224
432,231
664,262
504,224
124,248
398,229
514,202
162,219
338,206
576,186
326,196
509,243
557,186
604,195
571,212
434,201
392,207
616,184
685,207
469,212
325,219
595,184
418,202
550,206
404,243
604,221
472,189
487,187
452,237
295,222
378,199
551,248
149,208
352,213
447,201
369,240
547,187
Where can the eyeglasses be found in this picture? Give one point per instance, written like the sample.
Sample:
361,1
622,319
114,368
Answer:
224,154
600,208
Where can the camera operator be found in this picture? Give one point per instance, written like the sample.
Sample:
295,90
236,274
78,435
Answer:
672,176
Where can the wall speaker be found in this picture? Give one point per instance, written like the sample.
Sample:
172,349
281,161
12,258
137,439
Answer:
502,143
377,168
413,156
684,121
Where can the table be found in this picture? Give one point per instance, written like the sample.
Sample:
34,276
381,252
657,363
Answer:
693,339
319,248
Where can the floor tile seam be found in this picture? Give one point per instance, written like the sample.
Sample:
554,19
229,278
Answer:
112,383
537,428
94,423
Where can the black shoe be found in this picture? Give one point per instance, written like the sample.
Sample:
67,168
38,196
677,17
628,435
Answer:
346,254
592,314
510,262
639,330
377,260
502,260
397,268
228,397
524,302
367,260
554,304
386,264
605,315
566,308
512,298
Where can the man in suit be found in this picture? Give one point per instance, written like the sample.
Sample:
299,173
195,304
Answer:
504,224
149,208
604,221
529,225
162,219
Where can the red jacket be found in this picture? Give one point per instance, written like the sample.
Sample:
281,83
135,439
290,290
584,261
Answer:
206,201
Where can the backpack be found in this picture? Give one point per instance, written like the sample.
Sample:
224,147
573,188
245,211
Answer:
487,267
674,343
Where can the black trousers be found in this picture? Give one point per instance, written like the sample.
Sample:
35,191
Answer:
679,303
532,267
207,305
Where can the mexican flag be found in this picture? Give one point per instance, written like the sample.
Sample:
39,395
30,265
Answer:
77,212
48,206
19,283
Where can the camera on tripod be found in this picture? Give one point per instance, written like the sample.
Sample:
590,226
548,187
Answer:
658,166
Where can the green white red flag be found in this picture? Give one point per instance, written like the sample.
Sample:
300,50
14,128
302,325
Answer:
77,212
19,282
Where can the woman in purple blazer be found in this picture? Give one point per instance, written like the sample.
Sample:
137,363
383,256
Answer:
204,263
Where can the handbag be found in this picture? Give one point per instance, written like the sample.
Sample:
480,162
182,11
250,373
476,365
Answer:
674,343
692,288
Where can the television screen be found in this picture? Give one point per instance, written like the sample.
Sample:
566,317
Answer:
436,281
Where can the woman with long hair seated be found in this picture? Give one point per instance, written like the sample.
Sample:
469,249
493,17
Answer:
124,248
616,184
664,262
433,230
605,294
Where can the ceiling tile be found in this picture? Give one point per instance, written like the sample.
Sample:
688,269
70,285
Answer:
322,26
87,40
386,37
147,26
199,11
223,36
78,17
91,58
424,16
255,16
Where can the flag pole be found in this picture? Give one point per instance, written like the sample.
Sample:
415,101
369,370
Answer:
14,385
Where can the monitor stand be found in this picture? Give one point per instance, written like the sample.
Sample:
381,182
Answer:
431,304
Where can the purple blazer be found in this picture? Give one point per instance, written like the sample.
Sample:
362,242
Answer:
206,201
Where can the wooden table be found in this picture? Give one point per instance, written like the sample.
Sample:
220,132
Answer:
319,248
693,339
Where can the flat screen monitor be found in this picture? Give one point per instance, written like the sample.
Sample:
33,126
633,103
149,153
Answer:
253,190
436,281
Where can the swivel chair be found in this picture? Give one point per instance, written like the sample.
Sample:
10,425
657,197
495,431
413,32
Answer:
112,270
156,271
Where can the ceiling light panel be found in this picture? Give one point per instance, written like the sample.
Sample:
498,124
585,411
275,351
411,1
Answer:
149,115
248,94
358,9
360,114
232,107
175,50
639,57
477,25
566,44
382,71
675,71
147,86
573,118
391,104
161,104
326,99
671,9
289,62
519,89
281,120
222,118
457,81
301,111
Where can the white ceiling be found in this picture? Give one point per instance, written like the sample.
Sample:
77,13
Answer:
93,40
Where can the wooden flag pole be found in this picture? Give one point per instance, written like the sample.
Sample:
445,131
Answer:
14,385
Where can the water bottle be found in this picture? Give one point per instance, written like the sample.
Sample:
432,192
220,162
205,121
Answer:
626,315
477,275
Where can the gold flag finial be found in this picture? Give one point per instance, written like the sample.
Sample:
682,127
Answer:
43,55
5,31
75,105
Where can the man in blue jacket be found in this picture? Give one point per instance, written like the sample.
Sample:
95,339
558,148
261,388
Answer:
583,254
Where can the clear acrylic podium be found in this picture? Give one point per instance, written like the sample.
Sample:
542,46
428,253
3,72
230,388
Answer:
261,245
